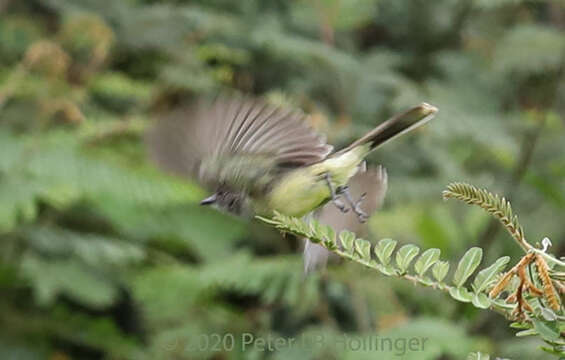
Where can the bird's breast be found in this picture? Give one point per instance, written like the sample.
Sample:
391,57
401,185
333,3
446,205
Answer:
295,194
300,191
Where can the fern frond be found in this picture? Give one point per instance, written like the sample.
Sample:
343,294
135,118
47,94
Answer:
495,205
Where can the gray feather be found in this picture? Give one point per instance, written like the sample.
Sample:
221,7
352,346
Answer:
395,126
235,127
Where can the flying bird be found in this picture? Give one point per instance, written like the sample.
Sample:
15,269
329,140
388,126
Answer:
258,158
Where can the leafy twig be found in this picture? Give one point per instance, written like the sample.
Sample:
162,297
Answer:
498,207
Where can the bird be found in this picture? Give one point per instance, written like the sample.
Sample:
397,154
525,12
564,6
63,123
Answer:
260,158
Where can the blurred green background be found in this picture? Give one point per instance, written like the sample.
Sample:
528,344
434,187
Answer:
102,256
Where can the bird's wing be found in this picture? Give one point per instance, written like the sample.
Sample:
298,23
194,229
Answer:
211,139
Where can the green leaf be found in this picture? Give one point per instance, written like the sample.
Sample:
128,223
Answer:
298,226
363,248
405,255
520,325
316,231
387,270
548,314
328,233
487,276
481,300
440,270
461,294
426,281
347,238
547,330
555,350
331,245
70,277
528,332
273,221
328,236
467,265
384,250
426,260
502,304
478,356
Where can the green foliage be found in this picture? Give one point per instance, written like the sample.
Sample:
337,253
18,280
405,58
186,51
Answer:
495,205
486,277
545,44
440,270
405,255
383,250
358,250
427,260
467,265
543,322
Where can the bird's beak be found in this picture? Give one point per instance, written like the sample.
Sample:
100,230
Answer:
209,200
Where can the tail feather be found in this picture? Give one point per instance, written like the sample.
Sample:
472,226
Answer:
395,126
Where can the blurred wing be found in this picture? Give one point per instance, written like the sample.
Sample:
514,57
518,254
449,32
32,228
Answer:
233,130
374,182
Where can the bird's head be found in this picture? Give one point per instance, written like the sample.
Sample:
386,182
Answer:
229,201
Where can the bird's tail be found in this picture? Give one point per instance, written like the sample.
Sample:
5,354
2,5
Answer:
395,126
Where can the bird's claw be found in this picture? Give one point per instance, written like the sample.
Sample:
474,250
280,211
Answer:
358,211
340,205
355,206
362,217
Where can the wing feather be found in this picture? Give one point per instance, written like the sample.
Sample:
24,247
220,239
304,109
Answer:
232,127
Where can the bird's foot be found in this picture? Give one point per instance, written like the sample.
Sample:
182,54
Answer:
340,205
335,194
362,215
355,205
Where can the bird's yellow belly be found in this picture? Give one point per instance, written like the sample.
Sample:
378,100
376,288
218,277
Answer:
303,190
297,194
